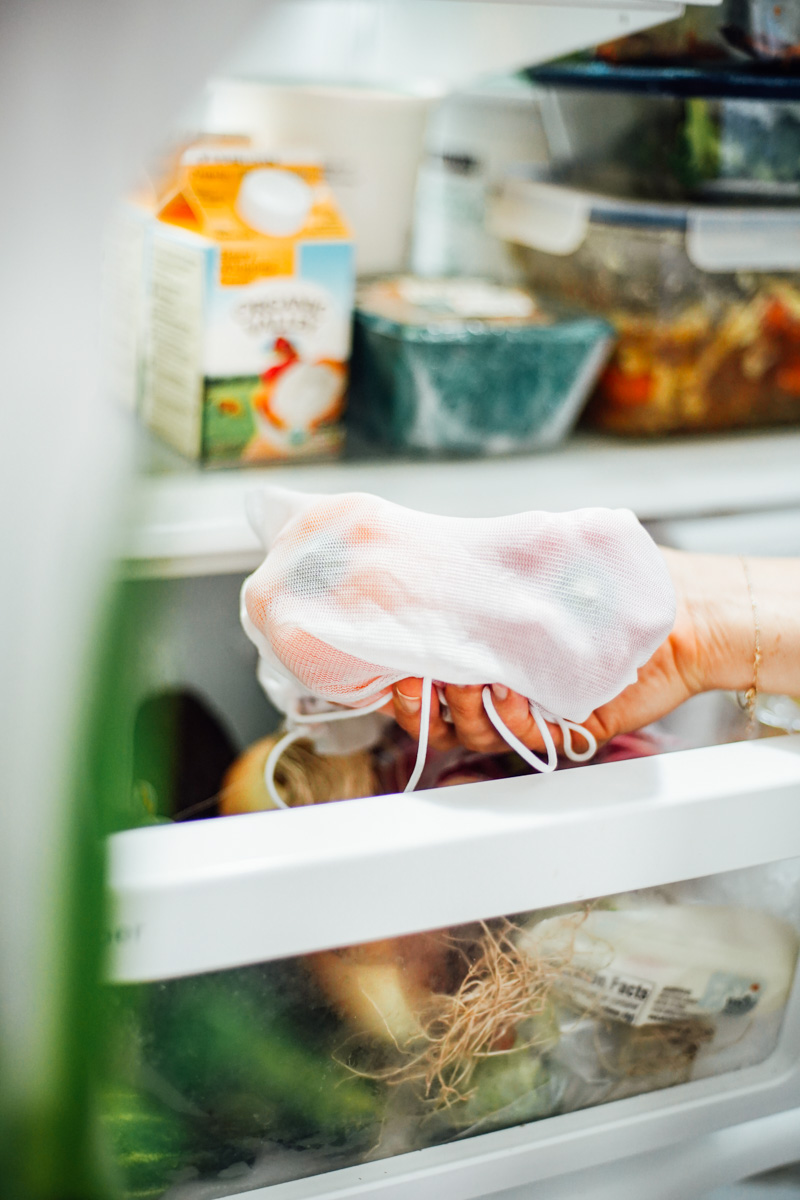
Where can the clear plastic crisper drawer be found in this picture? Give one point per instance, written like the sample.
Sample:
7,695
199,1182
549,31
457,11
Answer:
493,983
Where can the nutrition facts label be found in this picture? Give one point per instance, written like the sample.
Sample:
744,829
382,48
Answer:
638,1001
673,1004
621,997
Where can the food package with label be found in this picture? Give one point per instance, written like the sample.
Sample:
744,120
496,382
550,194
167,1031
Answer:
652,991
251,283
465,366
705,300
652,965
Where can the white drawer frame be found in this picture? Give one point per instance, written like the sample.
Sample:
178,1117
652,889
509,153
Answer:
207,895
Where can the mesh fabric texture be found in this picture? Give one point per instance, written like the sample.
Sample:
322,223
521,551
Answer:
357,593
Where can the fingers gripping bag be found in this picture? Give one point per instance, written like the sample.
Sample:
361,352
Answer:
357,593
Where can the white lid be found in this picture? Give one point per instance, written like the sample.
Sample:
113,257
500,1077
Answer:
741,239
555,218
274,202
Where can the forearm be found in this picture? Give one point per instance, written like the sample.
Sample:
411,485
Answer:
725,613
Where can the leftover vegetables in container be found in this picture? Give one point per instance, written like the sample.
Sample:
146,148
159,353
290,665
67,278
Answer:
756,29
764,30
702,371
694,37
705,147
705,302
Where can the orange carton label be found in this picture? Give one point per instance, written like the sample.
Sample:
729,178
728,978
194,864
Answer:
247,198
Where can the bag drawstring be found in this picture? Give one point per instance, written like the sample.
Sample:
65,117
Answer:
541,717
297,720
567,730
424,726
297,723
514,742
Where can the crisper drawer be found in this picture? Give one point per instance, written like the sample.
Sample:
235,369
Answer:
461,991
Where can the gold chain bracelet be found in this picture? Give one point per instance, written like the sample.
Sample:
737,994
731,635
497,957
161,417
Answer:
748,699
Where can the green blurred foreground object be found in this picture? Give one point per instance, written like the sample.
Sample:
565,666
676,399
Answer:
225,1044
147,1140
53,1075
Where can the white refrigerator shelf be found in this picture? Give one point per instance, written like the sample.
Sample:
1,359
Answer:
190,521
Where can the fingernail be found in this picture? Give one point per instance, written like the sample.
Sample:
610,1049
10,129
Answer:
499,691
408,704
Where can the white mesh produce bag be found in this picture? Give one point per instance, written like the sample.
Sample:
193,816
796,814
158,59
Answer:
357,593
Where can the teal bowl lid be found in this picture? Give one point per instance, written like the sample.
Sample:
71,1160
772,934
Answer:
455,309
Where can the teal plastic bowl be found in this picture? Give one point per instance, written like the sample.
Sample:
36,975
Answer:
472,388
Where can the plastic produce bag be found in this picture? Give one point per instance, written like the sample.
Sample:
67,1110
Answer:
656,965
652,993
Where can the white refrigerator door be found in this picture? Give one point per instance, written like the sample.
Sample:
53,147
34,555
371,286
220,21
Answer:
84,88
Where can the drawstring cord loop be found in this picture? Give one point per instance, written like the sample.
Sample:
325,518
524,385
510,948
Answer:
297,721
505,733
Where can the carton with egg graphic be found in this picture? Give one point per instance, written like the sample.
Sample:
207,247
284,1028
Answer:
251,292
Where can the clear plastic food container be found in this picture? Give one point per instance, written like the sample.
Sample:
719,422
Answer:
678,132
458,366
705,301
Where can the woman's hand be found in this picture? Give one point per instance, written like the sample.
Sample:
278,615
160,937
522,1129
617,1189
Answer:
710,646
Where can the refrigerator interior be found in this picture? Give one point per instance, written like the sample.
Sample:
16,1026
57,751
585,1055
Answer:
189,639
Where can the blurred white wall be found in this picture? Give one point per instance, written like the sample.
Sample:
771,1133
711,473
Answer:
85,86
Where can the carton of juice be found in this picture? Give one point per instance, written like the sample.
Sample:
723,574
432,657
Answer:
251,281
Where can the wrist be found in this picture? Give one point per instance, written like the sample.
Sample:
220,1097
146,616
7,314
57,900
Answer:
724,613
775,584
719,649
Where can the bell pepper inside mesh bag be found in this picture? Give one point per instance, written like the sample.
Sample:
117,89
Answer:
357,593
